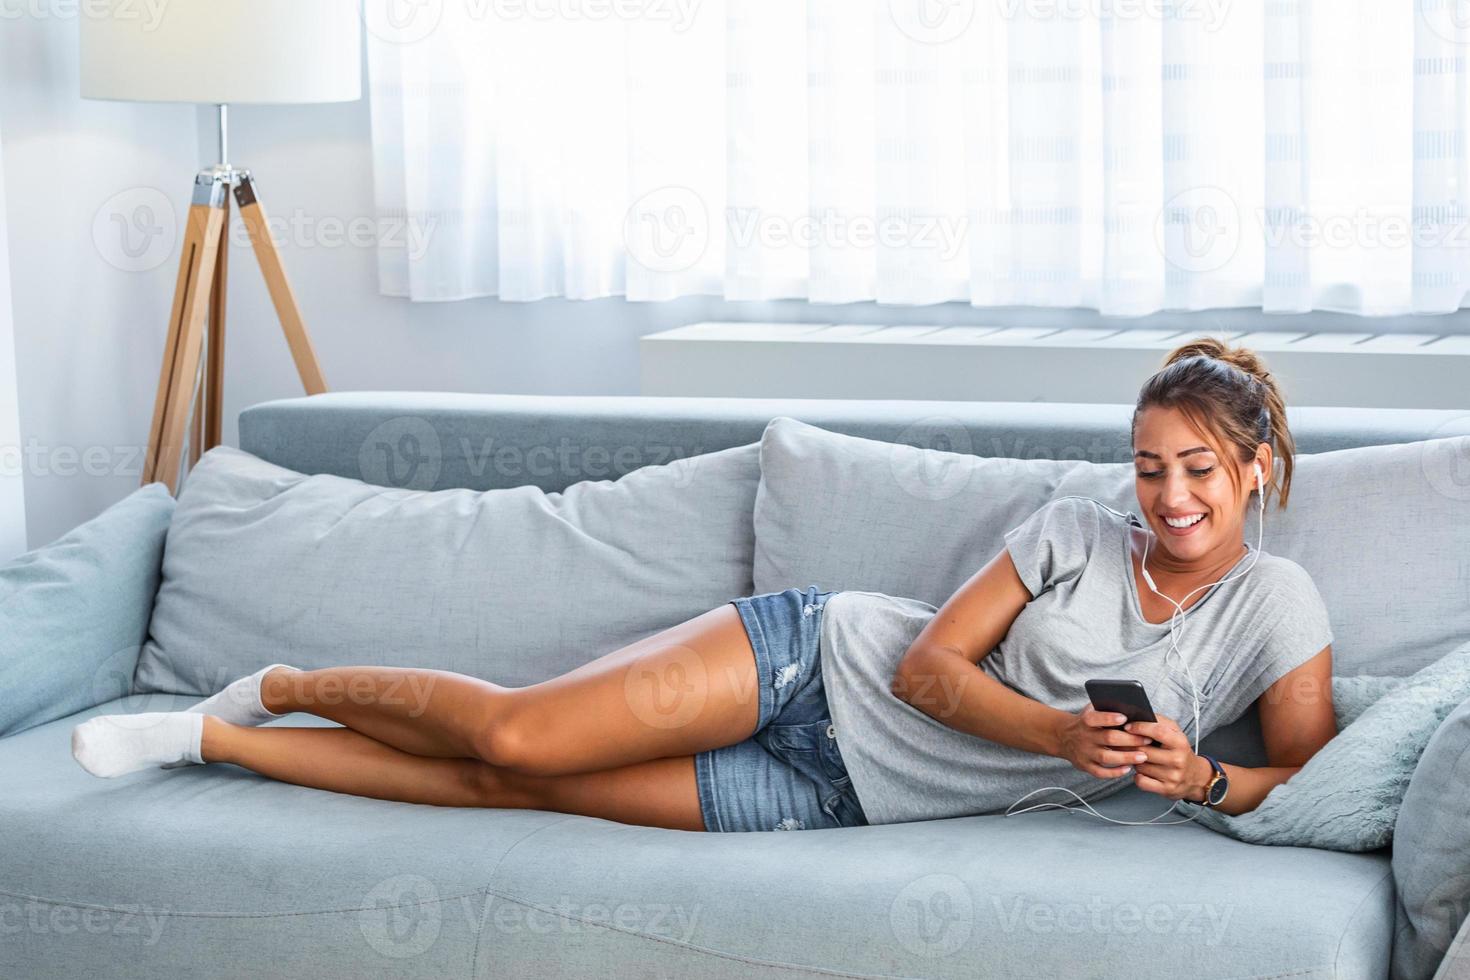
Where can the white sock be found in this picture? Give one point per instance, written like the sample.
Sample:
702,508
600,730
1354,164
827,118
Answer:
115,745
239,703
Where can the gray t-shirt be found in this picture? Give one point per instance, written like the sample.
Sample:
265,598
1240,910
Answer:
1083,621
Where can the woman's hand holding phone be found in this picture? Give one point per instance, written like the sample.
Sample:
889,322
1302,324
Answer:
1173,770
1092,742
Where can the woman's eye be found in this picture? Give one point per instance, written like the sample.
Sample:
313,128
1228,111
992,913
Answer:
1158,473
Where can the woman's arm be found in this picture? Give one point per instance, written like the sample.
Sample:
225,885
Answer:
939,676
1297,719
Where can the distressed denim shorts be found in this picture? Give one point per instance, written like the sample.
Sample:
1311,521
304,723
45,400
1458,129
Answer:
789,774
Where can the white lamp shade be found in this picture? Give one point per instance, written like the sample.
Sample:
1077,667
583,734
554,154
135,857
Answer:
223,51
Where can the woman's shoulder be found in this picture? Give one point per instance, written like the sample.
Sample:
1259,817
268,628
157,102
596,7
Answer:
1281,586
1080,515
1282,574
1088,508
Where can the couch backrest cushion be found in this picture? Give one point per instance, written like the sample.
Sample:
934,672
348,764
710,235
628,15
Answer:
264,564
1384,531
430,440
844,512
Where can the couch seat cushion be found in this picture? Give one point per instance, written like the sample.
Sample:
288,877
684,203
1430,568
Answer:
214,871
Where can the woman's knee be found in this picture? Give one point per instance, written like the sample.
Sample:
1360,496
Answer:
506,743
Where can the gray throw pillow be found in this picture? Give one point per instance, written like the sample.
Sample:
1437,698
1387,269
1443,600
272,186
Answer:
1382,530
1431,851
1347,796
845,512
74,614
515,585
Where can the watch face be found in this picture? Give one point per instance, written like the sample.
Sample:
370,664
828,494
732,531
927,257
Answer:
1216,793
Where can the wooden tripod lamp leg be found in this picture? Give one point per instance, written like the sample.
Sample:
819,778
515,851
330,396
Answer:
179,373
280,289
188,274
214,372
205,419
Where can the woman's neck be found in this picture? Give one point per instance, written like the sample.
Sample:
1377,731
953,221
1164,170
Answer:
1161,564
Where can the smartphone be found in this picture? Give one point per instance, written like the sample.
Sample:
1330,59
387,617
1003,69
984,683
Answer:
1127,698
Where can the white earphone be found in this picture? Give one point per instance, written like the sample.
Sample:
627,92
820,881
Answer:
1174,633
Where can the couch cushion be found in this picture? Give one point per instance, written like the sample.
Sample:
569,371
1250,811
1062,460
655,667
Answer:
1431,854
74,614
264,564
217,872
1381,529
214,871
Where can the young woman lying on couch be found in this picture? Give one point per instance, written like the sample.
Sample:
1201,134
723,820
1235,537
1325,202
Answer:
731,721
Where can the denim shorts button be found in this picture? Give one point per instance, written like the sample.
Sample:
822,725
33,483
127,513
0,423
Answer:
831,731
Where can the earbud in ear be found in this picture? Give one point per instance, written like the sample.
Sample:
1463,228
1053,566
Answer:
1260,481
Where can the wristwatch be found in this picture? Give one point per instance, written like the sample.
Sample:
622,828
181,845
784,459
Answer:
1218,785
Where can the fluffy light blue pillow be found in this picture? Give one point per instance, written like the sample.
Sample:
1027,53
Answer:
74,614
1347,796
1351,696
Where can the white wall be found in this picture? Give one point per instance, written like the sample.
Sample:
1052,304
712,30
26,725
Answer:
12,483
90,308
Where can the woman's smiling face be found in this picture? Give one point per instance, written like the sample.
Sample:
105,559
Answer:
1179,478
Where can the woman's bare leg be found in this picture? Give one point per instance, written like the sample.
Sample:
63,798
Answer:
660,793
686,689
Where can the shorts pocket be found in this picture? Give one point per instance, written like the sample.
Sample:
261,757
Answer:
810,748
798,738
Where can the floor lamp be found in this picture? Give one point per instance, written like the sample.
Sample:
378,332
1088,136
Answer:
220,52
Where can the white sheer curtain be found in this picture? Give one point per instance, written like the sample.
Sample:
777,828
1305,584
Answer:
1123,155
12,475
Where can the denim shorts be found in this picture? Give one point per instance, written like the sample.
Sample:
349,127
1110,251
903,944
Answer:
789,774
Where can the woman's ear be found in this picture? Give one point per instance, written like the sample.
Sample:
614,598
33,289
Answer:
1264,460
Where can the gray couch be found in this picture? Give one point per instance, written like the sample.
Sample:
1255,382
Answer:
215,872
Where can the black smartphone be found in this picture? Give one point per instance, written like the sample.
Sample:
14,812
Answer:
1127,698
